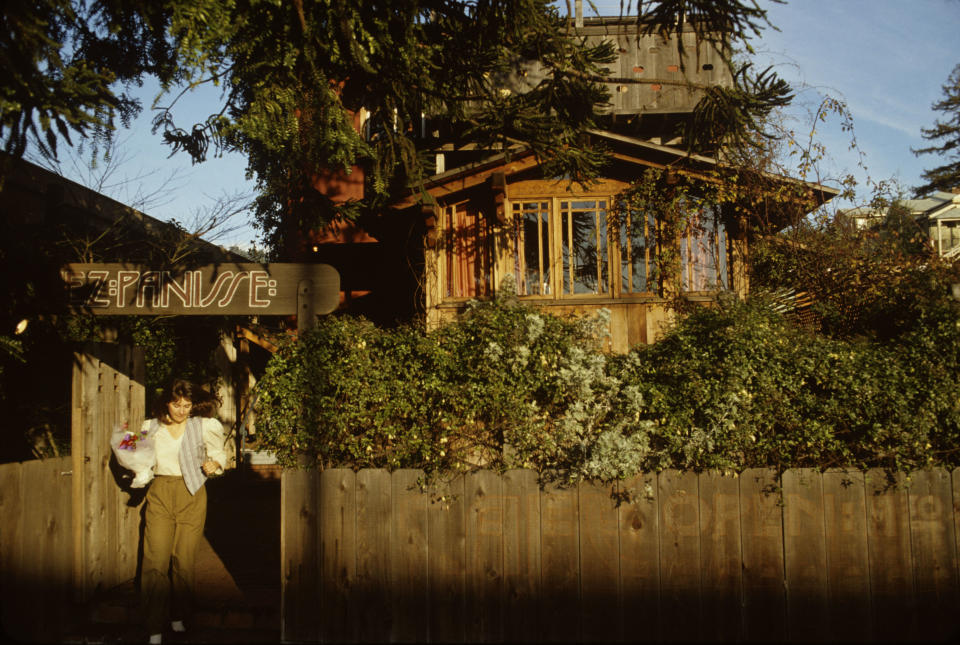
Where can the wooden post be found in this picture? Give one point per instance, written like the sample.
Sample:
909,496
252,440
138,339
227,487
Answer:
299,492
306,312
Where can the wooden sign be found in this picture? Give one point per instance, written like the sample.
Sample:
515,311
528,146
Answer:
227,289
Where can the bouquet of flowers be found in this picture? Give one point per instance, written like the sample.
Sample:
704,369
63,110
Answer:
135,451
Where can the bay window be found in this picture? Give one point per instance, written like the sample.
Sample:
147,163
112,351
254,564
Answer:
575,247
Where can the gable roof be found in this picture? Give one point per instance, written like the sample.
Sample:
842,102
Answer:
623,149
939,205
53,201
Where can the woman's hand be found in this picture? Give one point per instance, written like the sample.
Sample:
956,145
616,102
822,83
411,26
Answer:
210,467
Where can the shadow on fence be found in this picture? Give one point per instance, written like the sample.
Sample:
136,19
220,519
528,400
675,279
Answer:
809,556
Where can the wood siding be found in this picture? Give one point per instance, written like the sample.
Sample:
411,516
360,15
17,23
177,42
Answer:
488,557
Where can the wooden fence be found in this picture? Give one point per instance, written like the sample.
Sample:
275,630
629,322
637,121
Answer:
839,556
107,391
67,530
36,530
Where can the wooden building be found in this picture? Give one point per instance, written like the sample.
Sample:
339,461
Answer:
490,220
501,224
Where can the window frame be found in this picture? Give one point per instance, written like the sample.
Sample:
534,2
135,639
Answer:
553,269
559,223
450,244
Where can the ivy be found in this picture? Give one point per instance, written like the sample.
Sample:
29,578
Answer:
731,387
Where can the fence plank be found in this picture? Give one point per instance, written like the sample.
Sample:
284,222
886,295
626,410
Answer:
955,478
934,553
761,536
60,528
299,591
12,576
891,560
521,557
337,544
85,382
446,546
484,550
64,541
48,571
77,466
848,569
106,421
560,564
92,499
805,558
126,553
639,521
34,585
600,600
720,557
408,558
679,556
374,507
128,506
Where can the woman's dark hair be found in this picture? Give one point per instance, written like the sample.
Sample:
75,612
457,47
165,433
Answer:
204,403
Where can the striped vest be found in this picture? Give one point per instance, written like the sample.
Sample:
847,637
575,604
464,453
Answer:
193,452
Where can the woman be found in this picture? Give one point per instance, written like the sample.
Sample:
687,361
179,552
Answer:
189,444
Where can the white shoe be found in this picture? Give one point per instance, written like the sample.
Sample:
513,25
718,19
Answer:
177,626
155,639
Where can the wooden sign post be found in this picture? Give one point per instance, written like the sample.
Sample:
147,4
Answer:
228,289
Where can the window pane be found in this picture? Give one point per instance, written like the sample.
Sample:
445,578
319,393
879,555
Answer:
584,248
637,251
467,253
703,254
532,265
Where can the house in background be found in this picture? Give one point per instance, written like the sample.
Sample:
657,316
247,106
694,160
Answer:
490,219
937,214
569,251
940,215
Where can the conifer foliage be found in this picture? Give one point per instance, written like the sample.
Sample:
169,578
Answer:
299,77
945,135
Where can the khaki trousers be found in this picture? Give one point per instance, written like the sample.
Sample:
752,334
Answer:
174,528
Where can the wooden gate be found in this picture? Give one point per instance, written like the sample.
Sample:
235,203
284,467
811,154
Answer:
107,391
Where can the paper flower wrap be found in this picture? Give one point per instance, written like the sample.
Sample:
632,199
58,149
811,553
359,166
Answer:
135,451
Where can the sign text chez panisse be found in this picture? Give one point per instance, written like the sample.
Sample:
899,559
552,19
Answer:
226,289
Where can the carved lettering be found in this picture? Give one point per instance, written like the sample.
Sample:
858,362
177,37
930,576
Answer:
225,289
124,280
97,296
149,283
261,280
222,280
232,291
181,290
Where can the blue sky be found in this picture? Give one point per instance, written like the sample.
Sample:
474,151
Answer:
887,59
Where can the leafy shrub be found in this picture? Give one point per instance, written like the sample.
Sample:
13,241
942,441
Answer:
730,387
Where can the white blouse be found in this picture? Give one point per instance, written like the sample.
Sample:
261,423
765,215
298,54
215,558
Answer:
168,449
